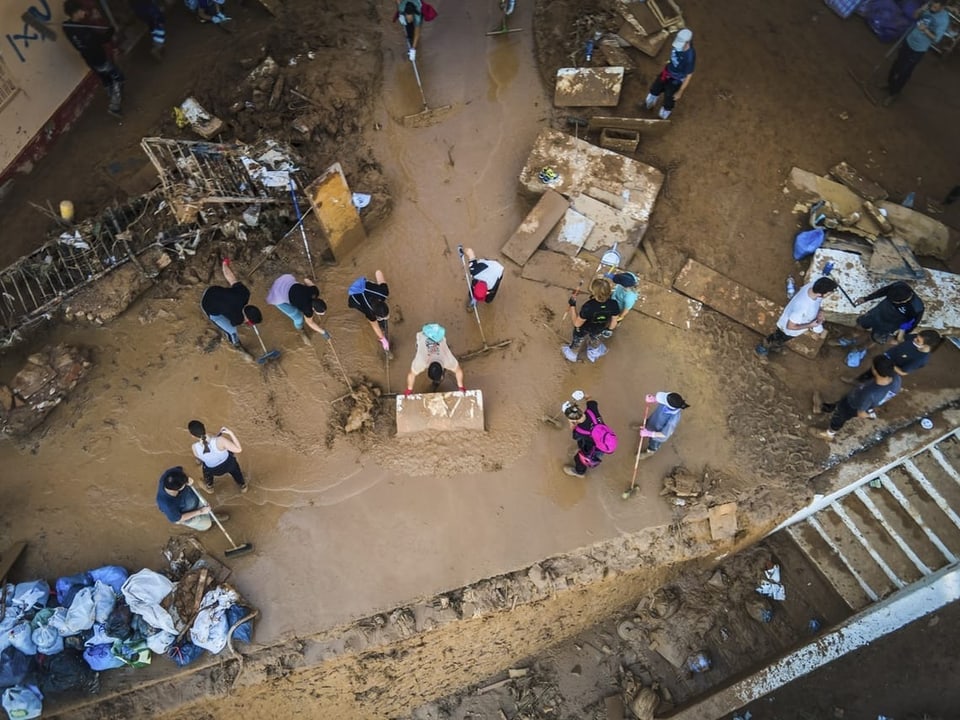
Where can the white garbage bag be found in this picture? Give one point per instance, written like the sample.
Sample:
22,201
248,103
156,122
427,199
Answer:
209,630
143,592
103,601
21,637
22,703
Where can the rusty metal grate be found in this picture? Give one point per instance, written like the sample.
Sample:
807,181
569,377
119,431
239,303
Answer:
8,87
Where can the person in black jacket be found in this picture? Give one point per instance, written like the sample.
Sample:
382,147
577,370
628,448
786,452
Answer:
90,41
898,313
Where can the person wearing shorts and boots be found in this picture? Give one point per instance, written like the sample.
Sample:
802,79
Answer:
217,455
371,300
434,356
596,319
177,500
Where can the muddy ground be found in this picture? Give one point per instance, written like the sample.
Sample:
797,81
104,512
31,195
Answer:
392,519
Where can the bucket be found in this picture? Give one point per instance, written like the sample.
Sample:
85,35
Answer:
66,210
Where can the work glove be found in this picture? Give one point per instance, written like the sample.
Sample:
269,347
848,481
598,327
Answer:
407,392
385,344
412,54
325,335
226,261
650,398
644,433
462,389
572,302
606,333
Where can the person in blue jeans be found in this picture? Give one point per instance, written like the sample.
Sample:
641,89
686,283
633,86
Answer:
664,420
298,301
180,504
228,307
932,22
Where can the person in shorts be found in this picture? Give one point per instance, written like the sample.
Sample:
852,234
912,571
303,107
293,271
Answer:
434,355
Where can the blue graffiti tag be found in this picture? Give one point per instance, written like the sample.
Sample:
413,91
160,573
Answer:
21,41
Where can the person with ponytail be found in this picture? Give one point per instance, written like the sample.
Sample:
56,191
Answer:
217,454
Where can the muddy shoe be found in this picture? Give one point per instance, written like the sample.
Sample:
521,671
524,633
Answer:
569,354
822,434
244,487
571,470
207,487
223,517
816,403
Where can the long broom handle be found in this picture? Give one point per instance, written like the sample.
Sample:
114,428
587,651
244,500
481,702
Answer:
473,301
636,460
213,516
303,234
416,74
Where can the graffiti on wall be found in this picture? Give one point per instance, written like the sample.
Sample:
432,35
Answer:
34,29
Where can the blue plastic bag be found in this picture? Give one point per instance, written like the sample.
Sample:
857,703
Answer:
101,657
855,357
69,586
244,633
807,242
184,653
112,575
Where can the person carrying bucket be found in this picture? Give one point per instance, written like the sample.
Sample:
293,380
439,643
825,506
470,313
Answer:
228,307
371,300
217,455
433,355
298,301
485,277
593,437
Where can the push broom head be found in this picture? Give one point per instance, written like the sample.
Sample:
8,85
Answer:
239,550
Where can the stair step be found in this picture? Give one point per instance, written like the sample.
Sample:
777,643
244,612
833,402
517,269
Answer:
831,564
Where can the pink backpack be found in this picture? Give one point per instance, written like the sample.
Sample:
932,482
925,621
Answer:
603,437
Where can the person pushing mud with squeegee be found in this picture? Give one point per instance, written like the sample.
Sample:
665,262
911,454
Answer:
371,300
300,302
434,356
228,307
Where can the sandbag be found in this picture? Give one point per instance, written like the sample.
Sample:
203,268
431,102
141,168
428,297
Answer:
160,641
14,666
103,601
22,702
244,632
47,638
113,575
29,596
70,585
67,671
78,617
100,636
101,657
20,636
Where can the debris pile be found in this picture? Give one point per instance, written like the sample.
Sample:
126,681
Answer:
41,384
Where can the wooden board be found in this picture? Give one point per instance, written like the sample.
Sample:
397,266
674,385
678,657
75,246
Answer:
670,307
334,210
741,304
924,235
440,412
535,227
639,17
588,87
854,179
9,557
572,232
723,521
650,45
886,262
610,225
559,270
646,126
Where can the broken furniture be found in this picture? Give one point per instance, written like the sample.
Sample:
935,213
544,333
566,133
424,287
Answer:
333,207
588,87
741,304
440,412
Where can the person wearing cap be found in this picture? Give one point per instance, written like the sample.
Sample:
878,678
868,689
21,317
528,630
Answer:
410,17
909,356
91,37
932,22
626,291
432,350
663,420
673,80
899,312
485,277
298,301
597,318
228,307
802,313
181,505
371,300
862,401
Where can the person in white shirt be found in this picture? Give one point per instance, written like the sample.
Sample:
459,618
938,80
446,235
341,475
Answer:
485,277
217,455
802,313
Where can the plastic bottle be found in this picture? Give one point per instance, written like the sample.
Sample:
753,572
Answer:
589,51
908,200
828,268
791,287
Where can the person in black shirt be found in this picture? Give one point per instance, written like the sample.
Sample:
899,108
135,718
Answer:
910,355
862,401
371,300
899,312
228,307
590,452
90,41
597,318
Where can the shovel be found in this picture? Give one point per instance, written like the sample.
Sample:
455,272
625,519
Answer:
630,491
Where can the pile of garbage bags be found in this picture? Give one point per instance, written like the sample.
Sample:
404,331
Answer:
60,639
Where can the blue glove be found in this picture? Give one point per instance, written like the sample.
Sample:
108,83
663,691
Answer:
572,302
325,335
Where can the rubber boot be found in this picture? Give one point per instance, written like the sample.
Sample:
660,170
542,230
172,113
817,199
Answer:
595,353
569,353
664,113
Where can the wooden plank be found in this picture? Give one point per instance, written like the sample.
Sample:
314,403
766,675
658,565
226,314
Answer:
535,227
909,259
663,304
588,87
856,181
559,270
649,45
572,232
9,557
639,17
440,412
886,263
925,235
741,304
723,521
610,225
333,207
646,126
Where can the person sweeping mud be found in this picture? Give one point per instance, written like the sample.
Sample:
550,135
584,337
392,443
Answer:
593,437
217,455
485,277
596,319
371,300
298,301
663,421
433,355
182,506
228,307
410,17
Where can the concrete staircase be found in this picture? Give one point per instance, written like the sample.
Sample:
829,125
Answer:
890,529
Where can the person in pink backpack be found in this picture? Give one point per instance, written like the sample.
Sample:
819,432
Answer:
594,438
